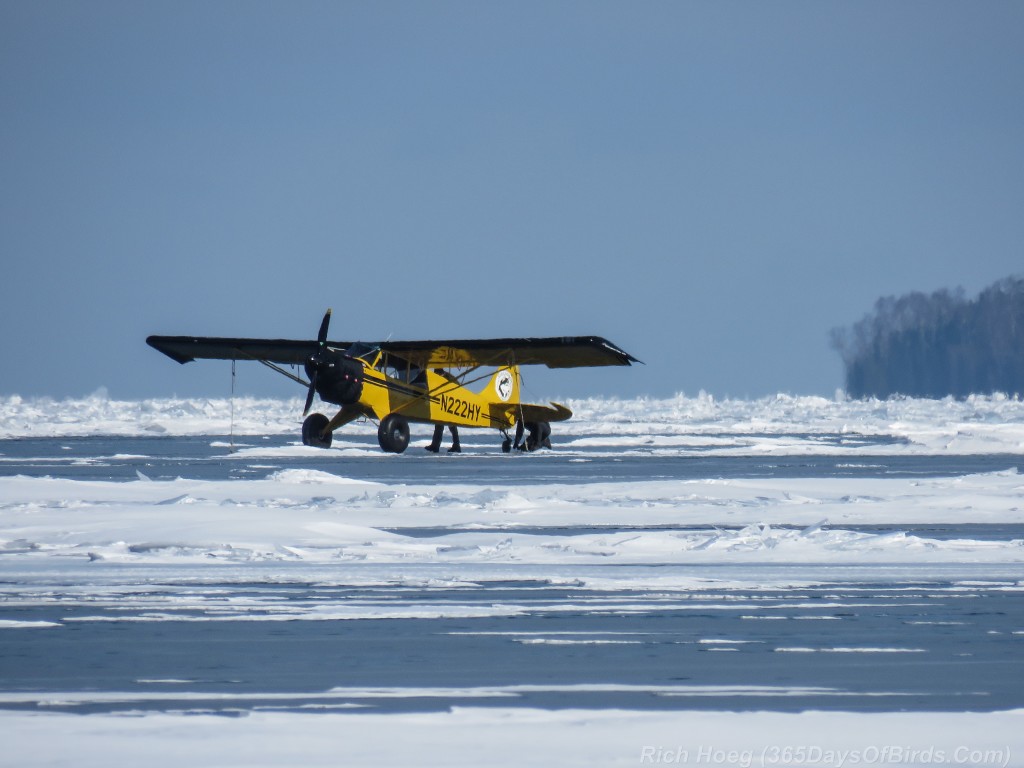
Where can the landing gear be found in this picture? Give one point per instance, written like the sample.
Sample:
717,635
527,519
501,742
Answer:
313,431
393,433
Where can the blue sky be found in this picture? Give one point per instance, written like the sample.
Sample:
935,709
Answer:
711,185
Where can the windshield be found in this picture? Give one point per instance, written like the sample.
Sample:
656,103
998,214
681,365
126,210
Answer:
361,349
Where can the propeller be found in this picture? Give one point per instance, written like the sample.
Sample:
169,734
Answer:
314,360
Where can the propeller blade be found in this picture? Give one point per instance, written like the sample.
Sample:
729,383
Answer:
309,395
321,337
314,361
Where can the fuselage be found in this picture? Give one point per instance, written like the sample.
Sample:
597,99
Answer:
392,385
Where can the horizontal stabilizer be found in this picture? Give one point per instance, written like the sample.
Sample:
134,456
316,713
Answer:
548,413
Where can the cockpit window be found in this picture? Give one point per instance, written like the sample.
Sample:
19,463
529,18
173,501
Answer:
361,349
401,369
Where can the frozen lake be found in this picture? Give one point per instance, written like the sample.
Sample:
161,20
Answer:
113,638
641,571
212,458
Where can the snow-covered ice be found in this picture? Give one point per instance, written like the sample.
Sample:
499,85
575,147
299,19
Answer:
779,425
318,517
513,738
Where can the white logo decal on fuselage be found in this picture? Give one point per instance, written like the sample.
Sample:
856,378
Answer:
503,385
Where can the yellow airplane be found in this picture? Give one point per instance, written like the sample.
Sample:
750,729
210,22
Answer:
445,383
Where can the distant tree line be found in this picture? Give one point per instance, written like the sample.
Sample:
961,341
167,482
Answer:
938,345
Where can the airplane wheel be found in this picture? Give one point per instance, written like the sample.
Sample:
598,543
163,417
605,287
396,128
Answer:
312,428
506,445
393,433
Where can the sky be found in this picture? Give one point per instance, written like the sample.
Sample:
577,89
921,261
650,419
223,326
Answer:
713,186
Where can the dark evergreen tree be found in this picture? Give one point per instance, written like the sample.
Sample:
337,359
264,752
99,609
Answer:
938,345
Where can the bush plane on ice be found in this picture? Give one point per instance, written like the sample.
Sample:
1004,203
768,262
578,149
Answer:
398,382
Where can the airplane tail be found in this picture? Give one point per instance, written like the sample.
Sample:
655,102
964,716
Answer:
504,385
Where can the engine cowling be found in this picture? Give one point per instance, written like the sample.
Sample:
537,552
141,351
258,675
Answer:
339,378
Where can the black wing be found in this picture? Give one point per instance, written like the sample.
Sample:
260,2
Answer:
185,349
555,352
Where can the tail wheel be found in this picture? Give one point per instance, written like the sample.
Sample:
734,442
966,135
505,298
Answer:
313,431
393,433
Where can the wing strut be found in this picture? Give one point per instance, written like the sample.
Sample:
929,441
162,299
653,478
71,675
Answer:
231,439
282,371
